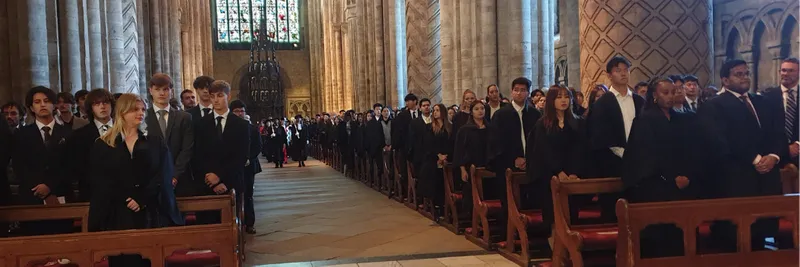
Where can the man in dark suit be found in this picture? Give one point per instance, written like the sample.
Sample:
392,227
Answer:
204,106
509,136
100,104
80,99
493,102
743,143
38,159
784,100
418,126
188,99
343,132
375,142
400,143
175,128
692,93
611,119
251,168
5,157
223,142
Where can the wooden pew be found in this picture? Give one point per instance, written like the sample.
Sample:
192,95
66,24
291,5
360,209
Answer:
399,193
385,183
161,245
411,190
522,222
453,199
790,179
580,238
484,212
742,211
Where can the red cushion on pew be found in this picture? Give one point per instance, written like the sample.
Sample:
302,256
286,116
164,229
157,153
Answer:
103,263
492,204
190,218
194,257
76,223
589,213
784,227
457,196
601,237
50,263
531,217
545,264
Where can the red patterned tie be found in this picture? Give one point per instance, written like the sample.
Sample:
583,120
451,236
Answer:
746,101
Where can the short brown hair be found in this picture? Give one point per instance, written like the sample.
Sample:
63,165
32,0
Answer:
791,60
99,95
202,82
220,86
160,79
67,97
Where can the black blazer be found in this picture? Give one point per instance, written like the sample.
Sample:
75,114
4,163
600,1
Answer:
607,129
5,157
38,163
505,137
223,155
79,145
774,96
732,139
255,149
417,148
488,115
196,113
400,128
375,138
179,139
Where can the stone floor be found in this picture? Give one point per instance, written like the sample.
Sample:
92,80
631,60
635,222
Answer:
314,214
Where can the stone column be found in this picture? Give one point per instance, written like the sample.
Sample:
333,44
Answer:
6,91
208,57
466,48
117,67
542,42
166,48
423,49
33,42
390,55
365,44
155,37
570,35
142,42
449,37
339,75
197,44
70,46
487,47
646,36
175,45
514,42
53,53
377,40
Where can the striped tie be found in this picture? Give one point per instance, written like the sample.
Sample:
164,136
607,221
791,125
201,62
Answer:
791,113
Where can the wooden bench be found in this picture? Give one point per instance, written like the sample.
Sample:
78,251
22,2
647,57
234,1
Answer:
743,212
790,179
454,219
385,183
519,249
484,212
586,236
173,245
399,193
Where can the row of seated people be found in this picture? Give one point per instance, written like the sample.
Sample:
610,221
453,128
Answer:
126,168
734,146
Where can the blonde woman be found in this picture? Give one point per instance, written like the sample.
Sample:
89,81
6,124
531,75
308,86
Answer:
128,170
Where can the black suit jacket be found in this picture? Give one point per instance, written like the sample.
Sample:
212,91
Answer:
79,145
400,126
375,138
505,137
179,139
255,148
607,129
774,96
38,163
415,143
223,155
5,157
733,138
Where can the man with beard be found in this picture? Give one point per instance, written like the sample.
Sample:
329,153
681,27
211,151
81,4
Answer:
14,114
65,115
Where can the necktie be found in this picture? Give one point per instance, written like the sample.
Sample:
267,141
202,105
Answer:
413,114
104,129
206,111
219,125
750,107
791,113
694,106
162,122
46,131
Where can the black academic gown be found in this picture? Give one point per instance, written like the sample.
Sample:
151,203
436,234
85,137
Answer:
470,148
431,183
5,157
607,129
300,143
143,175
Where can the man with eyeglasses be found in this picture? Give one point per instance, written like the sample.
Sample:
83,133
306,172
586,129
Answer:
743,145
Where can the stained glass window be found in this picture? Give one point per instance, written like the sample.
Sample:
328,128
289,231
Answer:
238,20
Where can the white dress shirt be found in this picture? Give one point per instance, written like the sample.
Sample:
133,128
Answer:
519,108
492,110
426,119
156,109
628,109
224,118
691,102
99,126
205,107
40,125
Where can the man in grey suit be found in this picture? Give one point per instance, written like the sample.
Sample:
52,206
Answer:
65,116
175,128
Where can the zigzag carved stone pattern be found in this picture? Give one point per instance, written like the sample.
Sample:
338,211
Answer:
424,49
659,37
130,47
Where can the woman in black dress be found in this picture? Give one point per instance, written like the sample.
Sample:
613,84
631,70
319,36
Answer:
134,172
299,149
471,147
436,140
461,117
558,149
658,164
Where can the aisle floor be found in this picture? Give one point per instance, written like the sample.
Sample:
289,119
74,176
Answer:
315,215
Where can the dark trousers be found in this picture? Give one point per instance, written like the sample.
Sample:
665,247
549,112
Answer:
376,167
402,168
249,209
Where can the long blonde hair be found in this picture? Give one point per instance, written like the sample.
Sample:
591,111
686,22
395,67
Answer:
126,103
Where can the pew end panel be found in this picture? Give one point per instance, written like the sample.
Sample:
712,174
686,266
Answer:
398,194
528,225
743,212
484,212
453,200
579,238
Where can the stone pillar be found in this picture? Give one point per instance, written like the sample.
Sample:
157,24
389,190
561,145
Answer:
390,28
401,62
542,42
208,57
175,46
466,48
70,46
117,68
197,44
53,53
143,42
514,42
449,42
95,44
423,49
166,49
377,40
647,37
487,47
33,43
155,37
6,91
570,35
367,57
